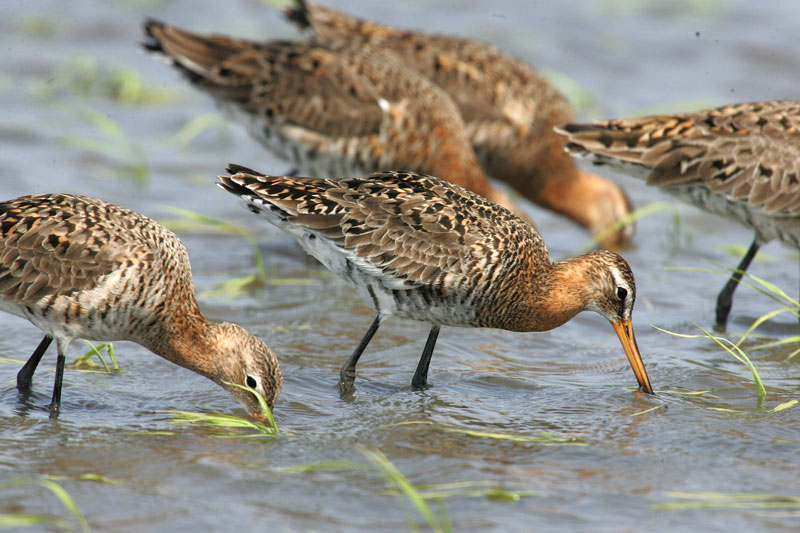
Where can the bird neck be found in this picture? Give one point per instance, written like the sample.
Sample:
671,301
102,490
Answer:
558,294
188,340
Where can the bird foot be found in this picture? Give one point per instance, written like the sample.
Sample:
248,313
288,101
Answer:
347,378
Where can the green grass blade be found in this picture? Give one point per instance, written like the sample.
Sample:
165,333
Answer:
66,500
734,350
228,228
262,403
760,320
762,391
95,350
394,478
322,466
199,125
647,410
8,521
784,405
708,500
542,438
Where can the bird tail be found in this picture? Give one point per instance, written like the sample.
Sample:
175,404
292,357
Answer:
216,62
605,145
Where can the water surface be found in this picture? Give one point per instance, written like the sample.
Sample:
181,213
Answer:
617,465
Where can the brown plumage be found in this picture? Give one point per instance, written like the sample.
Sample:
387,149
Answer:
422,248
78,267
739,161
329,112
509,111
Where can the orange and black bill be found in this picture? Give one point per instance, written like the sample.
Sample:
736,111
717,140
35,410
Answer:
624,330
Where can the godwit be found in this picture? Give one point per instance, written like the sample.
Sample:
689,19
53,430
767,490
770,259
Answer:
77,267
329,112
509,110
739,161
422,248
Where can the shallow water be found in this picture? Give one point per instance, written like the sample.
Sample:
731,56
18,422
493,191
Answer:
618,465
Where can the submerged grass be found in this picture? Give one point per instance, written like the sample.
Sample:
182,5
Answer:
240,285
733,349
18,520
113,143
543,438
397,484
199,125
786,303
736,500
396,480
631,218
235,286
85,76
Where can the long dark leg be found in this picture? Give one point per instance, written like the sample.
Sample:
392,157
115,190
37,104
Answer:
725,298
421,375
25,375
55,404
347,375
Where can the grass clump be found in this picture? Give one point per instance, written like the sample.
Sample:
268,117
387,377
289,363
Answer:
86,364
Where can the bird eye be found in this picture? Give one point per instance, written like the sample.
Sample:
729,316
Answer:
622,293
251,382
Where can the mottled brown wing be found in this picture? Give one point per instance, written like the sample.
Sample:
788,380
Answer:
289,83
490,87
748,152
404,228
52,244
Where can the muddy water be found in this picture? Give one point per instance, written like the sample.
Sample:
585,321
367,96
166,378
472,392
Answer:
605,465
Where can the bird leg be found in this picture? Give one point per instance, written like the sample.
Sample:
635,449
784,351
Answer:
25,375
347,375
55,404
725,298
420,379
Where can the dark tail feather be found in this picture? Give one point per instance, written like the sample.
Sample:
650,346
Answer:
233,168
151,43
298,14
189,51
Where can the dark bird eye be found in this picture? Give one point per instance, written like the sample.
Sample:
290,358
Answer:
622,293
251,382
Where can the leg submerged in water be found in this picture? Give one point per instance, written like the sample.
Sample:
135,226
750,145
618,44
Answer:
347,375
725,298
420,379
25,375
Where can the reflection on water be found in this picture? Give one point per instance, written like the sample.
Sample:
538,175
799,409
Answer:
599,455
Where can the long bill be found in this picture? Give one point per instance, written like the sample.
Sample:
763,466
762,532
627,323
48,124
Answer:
624,330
